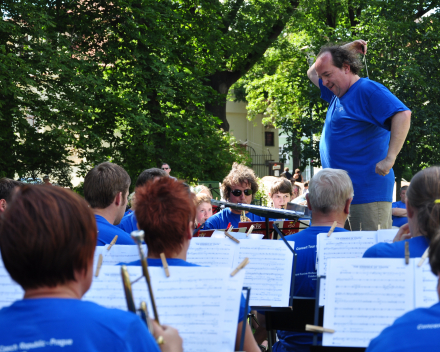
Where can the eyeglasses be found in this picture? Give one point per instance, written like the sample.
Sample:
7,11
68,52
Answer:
237,192
165,168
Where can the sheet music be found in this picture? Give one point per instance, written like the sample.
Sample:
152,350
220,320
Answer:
118,253
193,300
364,296
269,271
10,291
386,236
208,251
342,245
425,285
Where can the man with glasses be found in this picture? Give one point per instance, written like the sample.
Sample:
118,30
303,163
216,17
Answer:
165,167
239,186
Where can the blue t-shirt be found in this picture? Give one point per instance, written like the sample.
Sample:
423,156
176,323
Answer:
417,246
128,223
418,330
56,324
181,262
226,216
305,284
399,220
107,231
356,136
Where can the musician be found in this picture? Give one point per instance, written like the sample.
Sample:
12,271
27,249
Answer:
48,238
106,189
419,329
203,209
423,218
165,211
281,193
329,198
239,186
7,187
129,222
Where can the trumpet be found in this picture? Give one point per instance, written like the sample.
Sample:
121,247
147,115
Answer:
138,237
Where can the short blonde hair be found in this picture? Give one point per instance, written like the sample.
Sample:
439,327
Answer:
281,186
201,198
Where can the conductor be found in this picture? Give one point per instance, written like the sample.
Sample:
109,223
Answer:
364,131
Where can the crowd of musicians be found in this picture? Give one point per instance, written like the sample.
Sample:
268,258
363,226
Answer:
48,235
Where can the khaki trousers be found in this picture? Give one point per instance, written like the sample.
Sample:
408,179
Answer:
367,217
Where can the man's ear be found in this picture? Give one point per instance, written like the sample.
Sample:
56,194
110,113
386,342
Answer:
118,199
2,205
409,209
347,206
346,68
308,202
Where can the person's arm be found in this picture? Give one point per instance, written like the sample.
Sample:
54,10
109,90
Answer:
403,233
399,212
313,76
172,342
250,345
400,124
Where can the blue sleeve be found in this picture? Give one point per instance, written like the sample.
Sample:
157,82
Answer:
371,252
209,224
138,338
382,105
242,307
394,205
326,93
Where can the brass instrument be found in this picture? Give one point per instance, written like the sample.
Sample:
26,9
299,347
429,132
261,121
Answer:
138,237
243,217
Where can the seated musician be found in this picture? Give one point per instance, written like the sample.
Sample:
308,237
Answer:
281,193
239,186
423,218
203,210
106,190
129,222
47,242
165,211
329,198
419,329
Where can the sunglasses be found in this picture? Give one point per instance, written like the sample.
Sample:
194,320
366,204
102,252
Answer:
237,192
165,168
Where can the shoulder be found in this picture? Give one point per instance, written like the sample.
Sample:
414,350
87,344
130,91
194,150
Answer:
385,250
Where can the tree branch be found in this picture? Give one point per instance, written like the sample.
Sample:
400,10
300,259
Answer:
422,11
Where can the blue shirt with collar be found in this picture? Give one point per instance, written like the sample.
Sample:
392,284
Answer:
107,231
128,223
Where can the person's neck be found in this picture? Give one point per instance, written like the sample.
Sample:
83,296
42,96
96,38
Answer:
107,213
319,219
70,290
179,255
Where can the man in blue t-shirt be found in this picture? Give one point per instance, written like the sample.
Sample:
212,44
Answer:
329,198
106,190
417,330
399,209
239,186
364,130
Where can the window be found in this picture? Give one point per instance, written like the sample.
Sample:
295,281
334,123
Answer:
269,139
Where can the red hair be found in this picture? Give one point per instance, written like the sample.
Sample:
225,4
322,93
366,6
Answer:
164,210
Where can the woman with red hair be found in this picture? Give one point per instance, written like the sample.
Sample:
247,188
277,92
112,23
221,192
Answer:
165,210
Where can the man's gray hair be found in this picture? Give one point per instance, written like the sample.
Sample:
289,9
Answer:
329,190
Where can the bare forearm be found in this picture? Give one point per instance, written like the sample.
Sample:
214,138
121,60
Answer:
400,124
399,212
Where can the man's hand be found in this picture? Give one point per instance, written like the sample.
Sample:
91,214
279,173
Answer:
360,46
169,338
403,233
384,166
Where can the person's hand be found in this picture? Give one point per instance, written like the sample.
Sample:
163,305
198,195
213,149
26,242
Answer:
167,338
403,233
360,46
384,166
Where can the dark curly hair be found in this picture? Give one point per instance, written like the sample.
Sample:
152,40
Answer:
342,55
238,175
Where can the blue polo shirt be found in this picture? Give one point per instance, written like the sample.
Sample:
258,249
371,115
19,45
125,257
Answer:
418,330
107,231
356,137
399,220
417,246
226,216
128,223
305,284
